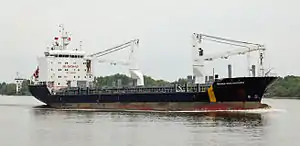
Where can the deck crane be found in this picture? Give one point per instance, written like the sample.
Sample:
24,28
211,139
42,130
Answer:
134,71
199,58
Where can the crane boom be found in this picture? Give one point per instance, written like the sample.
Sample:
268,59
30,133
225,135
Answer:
133,67
114,49
226,39
114,62
227,54
199,57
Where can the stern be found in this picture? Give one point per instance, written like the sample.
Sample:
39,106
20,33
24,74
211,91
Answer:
40,92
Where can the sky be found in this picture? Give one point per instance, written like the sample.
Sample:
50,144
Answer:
163,27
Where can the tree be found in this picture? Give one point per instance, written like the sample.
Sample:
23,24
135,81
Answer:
24,88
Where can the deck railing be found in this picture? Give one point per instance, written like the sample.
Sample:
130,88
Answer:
134,90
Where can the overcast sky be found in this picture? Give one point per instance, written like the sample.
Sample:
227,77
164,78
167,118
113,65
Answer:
164,28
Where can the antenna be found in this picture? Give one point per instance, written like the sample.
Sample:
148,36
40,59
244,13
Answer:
65,37
261,57
62,30
80,45
17,74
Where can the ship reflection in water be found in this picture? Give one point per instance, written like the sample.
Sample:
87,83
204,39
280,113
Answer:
23,124
214,118
131,128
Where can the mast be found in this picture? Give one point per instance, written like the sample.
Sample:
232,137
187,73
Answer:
65,36
62,35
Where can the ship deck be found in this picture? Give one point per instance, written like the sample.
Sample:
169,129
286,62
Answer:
134,90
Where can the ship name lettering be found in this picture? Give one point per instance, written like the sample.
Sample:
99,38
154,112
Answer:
230,83
70,66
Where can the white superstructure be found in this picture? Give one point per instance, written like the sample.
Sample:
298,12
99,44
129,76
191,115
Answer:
61,67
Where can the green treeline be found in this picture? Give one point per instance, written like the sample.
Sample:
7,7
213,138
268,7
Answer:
285,87
7,89
10,88
288,87
108,81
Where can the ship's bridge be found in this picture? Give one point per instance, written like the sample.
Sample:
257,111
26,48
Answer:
65,53
63,68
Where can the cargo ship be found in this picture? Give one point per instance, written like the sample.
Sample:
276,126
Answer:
64,79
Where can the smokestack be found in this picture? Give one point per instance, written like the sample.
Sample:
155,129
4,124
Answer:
229,71
253,70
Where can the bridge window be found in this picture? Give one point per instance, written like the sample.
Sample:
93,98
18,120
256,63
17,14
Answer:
59,69
66,62
66,69
59,76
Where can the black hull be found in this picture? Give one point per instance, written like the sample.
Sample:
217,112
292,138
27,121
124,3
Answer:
237,91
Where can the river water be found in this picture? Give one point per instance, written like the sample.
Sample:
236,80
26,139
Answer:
24,124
